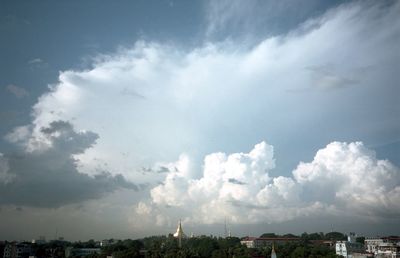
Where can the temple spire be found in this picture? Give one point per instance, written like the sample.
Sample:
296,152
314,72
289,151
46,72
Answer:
179,234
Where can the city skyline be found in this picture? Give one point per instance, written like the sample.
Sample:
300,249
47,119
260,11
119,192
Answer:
118,119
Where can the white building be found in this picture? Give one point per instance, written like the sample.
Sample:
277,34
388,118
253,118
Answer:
388,250
371,244
249,242
388,247
273,253
347,249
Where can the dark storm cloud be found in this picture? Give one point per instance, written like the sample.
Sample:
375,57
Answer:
50,178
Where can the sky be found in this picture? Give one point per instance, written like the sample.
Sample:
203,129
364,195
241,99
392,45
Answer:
118,119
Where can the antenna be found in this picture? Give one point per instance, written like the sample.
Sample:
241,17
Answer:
226,230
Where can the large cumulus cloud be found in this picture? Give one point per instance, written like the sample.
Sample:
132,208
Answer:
152,101
350,177
334,77
343,178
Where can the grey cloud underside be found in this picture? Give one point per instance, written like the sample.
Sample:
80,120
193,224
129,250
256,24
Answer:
50,178
235,181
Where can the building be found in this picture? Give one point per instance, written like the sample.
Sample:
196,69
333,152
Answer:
371,244
81,252
383,246
2,246
248,241
321,242
387,250
107,242
349,249
17,250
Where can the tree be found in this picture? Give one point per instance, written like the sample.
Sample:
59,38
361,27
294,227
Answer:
299,252
360,240
335,236
269,235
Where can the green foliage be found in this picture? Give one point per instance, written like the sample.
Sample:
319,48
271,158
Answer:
124,249
313,236
300,250
269,235
214,247
199,247
360,240
203,246
289,235
335,236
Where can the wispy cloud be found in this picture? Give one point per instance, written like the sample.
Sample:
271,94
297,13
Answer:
325,78
35,61
17,91
227,19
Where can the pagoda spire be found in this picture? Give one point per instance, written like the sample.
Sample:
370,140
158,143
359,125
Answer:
179,234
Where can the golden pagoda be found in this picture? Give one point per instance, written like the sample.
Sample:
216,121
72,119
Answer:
179,234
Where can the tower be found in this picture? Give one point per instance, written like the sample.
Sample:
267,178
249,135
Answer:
179,234
226,230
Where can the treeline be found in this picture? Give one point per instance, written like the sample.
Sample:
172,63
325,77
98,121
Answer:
198,247
211,247
335,236
313,236
167,247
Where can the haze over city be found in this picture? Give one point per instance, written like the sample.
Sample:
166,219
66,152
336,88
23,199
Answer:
118,119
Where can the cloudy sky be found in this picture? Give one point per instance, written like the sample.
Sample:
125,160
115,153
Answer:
119,118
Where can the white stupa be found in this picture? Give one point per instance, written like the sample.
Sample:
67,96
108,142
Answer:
273,254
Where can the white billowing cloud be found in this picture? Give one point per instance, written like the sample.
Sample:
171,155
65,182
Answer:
150,102
349,175
143,209
224,177
175,184
154,101
342,178
149,216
